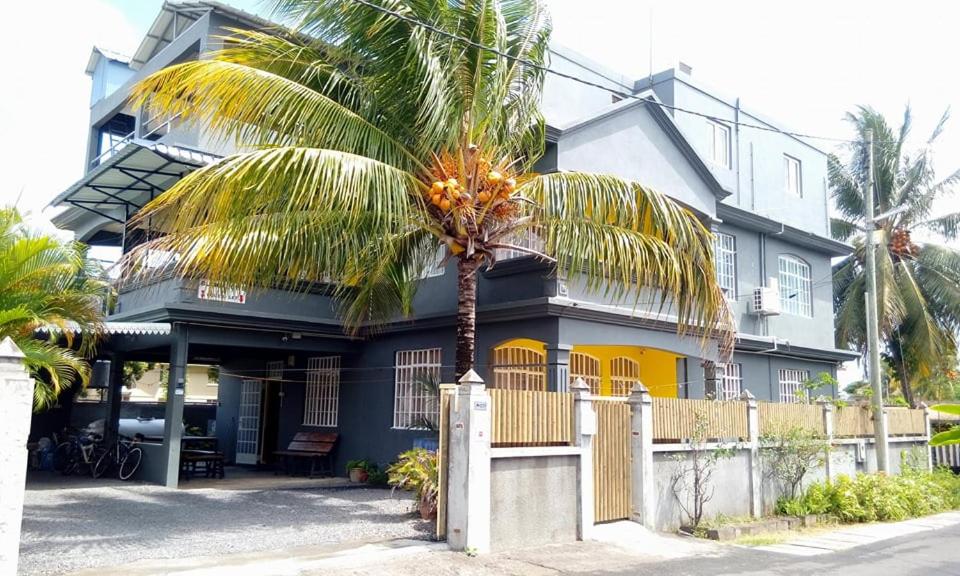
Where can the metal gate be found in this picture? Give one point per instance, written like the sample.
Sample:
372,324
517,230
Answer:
248,422
611,460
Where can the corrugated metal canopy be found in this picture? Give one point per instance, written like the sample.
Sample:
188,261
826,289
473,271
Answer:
131,177
151,328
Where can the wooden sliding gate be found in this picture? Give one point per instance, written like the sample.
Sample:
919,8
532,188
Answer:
611,460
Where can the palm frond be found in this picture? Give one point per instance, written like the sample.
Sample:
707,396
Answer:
620,235
259,108
842,229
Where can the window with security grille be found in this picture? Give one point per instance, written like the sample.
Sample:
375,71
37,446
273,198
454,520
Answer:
519,368
322,398
795,288
523,239
587,367
725,260
624,373
416,404
729,381
791,383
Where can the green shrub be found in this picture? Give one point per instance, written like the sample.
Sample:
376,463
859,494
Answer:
416,470
878,497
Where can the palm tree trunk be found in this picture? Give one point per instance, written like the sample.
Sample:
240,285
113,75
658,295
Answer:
466,314
905,383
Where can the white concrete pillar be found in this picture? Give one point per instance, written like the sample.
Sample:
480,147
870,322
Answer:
584,429
16,408
753,447
643,508
827,407
468,490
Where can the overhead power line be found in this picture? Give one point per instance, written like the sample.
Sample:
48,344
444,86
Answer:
618,93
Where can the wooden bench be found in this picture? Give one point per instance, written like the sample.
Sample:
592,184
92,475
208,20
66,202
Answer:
211,460
316,447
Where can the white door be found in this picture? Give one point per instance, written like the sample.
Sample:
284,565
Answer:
248,422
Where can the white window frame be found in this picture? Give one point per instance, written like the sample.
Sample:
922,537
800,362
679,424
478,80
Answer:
411,405
796,288
719,132
791,383
321,406
729,380
793,175
725,261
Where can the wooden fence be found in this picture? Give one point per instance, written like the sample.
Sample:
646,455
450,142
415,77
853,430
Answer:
611,460
906,422
531,418
674,419
779,418
852,422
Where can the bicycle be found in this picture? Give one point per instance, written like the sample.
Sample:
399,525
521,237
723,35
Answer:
77,454
124,454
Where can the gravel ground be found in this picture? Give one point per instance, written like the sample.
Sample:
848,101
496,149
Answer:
82,527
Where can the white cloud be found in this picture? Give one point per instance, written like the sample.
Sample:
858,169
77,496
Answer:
44,107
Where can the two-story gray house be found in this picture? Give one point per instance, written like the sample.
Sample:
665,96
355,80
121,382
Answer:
286,365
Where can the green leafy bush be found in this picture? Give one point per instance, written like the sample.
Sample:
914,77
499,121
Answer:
416,470
878,497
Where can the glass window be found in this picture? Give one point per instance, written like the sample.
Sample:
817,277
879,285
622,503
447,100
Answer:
791,382
792,175
719,143
321,405
415,404
725,260
795,288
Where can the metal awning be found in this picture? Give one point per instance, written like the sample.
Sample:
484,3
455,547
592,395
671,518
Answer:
111,328
130,177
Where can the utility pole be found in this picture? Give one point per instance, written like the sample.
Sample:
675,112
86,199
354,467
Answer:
873,329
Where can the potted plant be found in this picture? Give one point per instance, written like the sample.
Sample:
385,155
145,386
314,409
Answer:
416,470
358,470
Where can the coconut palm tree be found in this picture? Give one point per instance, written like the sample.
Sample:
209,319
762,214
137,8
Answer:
370,141
46,282
917,282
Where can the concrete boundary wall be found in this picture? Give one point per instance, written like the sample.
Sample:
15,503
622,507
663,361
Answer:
742,484
501,498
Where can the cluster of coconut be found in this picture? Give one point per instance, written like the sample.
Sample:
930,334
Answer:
900,243
470,184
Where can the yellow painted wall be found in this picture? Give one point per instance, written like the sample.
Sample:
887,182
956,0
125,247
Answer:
658,369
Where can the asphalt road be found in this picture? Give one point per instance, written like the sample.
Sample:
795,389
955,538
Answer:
934,553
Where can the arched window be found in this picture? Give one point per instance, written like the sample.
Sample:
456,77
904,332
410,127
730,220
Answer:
795,288
624,373
519,368
587,367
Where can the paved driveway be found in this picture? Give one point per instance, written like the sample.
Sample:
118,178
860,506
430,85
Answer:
85,525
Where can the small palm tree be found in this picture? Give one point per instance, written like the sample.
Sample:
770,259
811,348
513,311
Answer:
919,302
370,144
45,282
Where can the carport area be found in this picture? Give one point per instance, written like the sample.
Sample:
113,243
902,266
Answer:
75,523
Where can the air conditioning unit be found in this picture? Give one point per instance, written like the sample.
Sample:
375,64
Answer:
766,299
